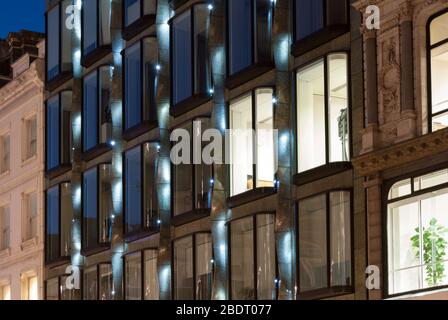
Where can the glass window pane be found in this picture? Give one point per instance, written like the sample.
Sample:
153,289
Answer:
133,86
151,289
52,289
132,10
265,138
439,29
313,244
240,34
242,259
241,151
266,272
90,27
309,17
106,282
149,6
66,219
203,172
338,113
133,192
5,228
431,180
105,117
53,134
104,23
150,186
311,117
439,95
340,242
150,79
67,294
133,274
66,150
53,43
183,182
52,229
90,287
400,189
182,64
66,45
263,30
201,27
105,203
90,207
90,111
203,266
183,269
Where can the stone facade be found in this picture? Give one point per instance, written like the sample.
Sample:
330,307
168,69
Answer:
22,180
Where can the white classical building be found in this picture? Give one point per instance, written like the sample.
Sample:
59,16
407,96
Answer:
22,166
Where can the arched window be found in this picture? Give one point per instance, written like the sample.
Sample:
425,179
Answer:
438,67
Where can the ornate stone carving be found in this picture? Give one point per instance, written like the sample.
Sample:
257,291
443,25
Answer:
389,80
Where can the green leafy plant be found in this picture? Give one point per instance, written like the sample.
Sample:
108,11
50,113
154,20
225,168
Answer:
434,251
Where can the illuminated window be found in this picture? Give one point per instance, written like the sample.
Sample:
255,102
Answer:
439,72
323,132
59,47
190,66
59,215
5,292
252,137
193,263
30,286
252,247
249,29
141,279
417,233
324,243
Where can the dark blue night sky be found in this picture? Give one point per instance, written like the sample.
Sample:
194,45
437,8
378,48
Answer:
21,14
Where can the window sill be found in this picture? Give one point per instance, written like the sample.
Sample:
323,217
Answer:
59,170
139,130
249,196
29,244
189,104
95,152
26,162
318,38
190,216
90,251
138,26
248,74
321,172
326,293
5,253
100,52
59,80
141,234
58,262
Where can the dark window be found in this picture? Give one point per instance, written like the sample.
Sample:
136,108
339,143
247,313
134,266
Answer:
58,222
96,115
58,130
438,40
191,74
96,24
140,189
193,264
249,33
96,206
324,243
192,182
59,53
133,10
315,15
253,258
140,83
98,283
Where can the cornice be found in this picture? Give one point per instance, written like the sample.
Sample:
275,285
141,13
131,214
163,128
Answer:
15,86
402,153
